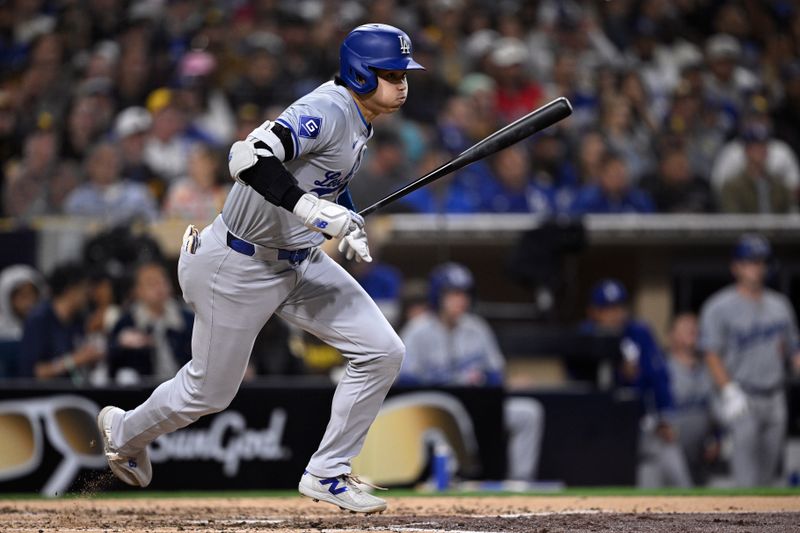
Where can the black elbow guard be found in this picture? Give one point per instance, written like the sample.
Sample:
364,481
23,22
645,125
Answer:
271,180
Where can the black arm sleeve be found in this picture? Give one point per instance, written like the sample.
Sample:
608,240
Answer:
271,180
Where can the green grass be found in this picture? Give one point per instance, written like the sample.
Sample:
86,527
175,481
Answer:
401,493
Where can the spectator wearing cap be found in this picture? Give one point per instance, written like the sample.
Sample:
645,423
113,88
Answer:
726,83
170,139
613,192
450,345
749,336
105,196
130,130
517,93
756,189
643,368
780,160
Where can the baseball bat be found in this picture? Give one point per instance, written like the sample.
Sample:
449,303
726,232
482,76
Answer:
533,122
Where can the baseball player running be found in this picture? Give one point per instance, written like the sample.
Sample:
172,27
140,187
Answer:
261,257
747,333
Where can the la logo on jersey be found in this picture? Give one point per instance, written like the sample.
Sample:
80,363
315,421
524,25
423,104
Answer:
405,45
309,126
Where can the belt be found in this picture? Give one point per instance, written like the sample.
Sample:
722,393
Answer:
295,257
761,391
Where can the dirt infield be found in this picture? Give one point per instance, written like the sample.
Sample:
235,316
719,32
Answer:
540,514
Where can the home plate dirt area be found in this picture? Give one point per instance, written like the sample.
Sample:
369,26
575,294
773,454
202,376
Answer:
536,514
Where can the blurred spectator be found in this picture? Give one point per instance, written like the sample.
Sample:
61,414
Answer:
627,135
131,129
385,169
262,83
170,138
592,151
153,338
613,192
749,335
200,195
661,460
693,392
26,182
433,197
756,189
452,346
208,106
778,161
21,287
726,83
105,195
517,93
695,124
675,189
54,343
639,64
84,128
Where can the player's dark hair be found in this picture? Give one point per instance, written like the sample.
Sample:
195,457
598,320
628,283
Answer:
65,277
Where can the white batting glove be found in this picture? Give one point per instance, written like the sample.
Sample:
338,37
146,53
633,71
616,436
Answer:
327,217
355,244
733,403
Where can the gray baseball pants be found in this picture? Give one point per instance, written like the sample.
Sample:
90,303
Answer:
758,440
233,295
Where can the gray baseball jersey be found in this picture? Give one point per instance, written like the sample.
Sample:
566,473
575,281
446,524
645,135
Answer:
436,354
693,391
234,293
752,337
330,137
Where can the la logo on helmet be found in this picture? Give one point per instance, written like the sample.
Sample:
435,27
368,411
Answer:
405,45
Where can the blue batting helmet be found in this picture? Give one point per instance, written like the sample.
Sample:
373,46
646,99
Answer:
372,46
449,276
752,247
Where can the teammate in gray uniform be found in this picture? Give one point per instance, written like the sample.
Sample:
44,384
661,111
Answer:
748,332
451,346
692,392
260,257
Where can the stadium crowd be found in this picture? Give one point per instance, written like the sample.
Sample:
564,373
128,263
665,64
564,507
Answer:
123,111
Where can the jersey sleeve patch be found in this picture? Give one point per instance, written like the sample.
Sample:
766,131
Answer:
309,126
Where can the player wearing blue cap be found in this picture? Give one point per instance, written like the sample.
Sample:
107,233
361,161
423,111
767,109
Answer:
748,332
261,257
661,461
452,346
